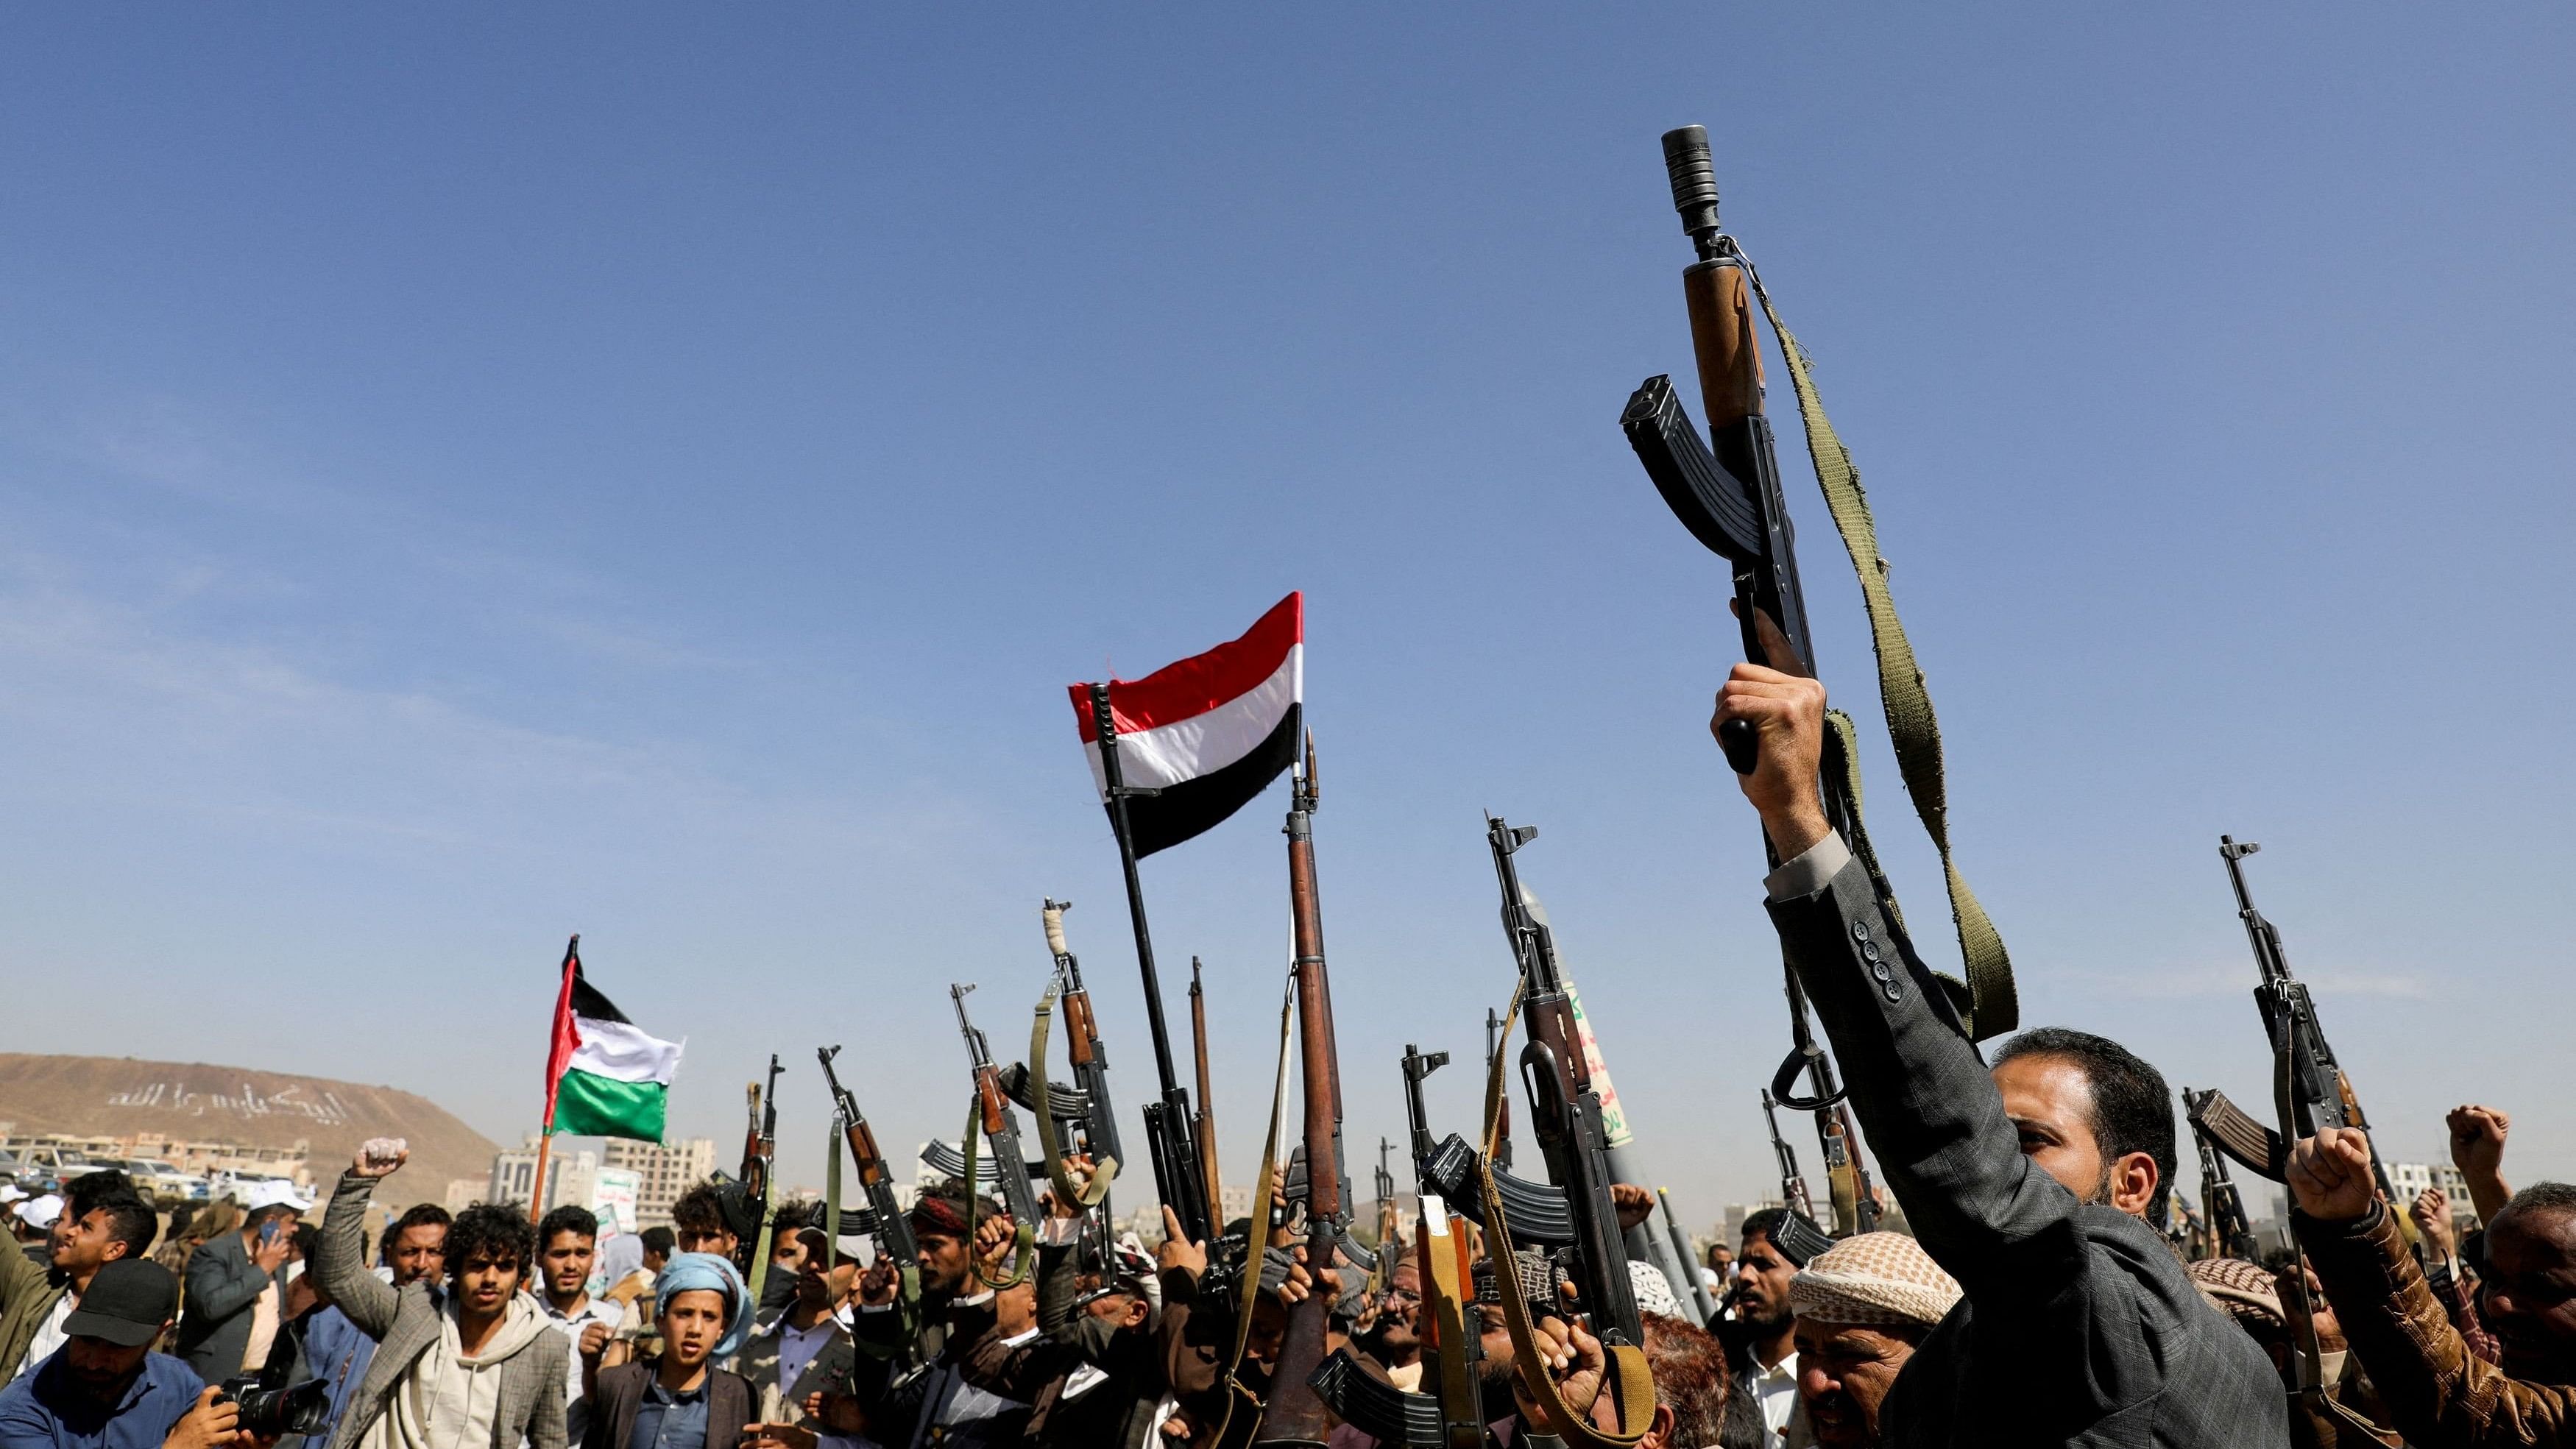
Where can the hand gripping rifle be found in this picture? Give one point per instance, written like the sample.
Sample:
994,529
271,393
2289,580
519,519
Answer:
2221,1205
1565,1119
1295,1413
1730,500
885,1221
1097,1125
991,1114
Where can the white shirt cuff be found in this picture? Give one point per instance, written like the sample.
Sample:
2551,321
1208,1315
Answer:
1807,874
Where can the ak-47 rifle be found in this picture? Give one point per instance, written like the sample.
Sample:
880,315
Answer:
1097,1126
1494,1024
884,1220
1000,1128
2221,1205
1389,1221
759,1151
1793,1183
1730,500
2309,1093
1565,1105
1295,1413
1566,1119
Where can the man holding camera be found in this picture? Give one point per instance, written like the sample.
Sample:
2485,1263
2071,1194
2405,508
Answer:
106,1389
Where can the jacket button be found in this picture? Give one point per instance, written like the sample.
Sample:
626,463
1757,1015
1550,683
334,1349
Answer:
1860,930
1869,950
1880,971
1892,993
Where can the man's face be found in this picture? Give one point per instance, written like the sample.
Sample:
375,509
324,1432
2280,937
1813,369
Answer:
80,1248
1123,1309
696,1240
2050,1102
485,1283
2529,1297
1721,1259
419,1253
565,1262
814,1284
1762,1283
692,1324
1269,1329
787,1254
944,1262
1494,1371
1844,1373
100,1369
1399,1312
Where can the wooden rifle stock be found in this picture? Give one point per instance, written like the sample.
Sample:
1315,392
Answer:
1295,1414
1206,1137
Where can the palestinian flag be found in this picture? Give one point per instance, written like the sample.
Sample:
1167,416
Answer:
1208,732
603,1077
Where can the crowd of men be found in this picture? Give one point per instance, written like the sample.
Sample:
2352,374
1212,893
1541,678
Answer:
2037,1292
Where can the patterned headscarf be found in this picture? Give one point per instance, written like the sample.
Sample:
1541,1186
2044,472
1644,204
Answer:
1876,1279
2245,1292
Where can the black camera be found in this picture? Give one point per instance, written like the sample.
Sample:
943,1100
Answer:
272,1411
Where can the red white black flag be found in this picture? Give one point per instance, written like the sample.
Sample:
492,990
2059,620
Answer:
1209,732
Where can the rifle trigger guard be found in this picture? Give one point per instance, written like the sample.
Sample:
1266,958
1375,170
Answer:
1784,1082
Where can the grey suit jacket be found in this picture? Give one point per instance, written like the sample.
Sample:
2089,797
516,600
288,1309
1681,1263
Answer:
830,1369
2078,1325
405,1324
214,1327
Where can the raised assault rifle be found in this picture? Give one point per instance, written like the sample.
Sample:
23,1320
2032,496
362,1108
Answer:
2220,1203
1565,1107
884,1219
1730,500
1097,1123
1000,1128
1793,1183
759,1151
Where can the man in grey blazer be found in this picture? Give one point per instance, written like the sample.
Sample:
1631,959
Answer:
226,1276
478,1367
2077,1324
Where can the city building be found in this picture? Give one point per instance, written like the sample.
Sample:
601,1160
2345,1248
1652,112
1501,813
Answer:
571,1176
663,1170
2410,1178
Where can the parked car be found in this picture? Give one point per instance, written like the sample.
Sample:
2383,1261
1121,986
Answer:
50,1166
12,1168
167,1185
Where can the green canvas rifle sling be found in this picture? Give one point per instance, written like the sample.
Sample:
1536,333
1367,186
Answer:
1041,1106
1992,1007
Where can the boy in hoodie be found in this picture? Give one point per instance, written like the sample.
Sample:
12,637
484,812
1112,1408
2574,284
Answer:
480,1368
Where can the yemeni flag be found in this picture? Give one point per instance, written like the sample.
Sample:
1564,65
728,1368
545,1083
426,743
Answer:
1208,733
604,1078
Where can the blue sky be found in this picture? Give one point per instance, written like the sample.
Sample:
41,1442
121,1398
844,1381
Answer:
466,478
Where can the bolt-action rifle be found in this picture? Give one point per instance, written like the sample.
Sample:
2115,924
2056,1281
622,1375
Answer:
1295,1413
884,1220
1000,1128
2221,1205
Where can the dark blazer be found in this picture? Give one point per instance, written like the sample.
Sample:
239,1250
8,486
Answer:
731,1406
2078,1325
214,1325
831,1370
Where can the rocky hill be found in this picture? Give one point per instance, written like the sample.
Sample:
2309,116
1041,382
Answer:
118,1096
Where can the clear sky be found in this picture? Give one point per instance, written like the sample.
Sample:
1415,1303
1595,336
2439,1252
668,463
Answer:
651,471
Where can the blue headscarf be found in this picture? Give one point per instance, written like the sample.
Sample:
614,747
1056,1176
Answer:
687,1272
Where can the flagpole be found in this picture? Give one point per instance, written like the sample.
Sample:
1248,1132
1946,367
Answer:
1168,1121
546,1133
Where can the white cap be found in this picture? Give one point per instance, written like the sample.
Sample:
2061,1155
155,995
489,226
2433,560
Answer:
11,1192
274,1192
39,1212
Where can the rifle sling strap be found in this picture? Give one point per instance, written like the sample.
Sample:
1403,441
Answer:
1025,1234
1626,1378
1050,1146
1911,725
1257,1237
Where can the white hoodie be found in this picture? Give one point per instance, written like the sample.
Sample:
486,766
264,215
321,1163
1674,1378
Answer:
448,1400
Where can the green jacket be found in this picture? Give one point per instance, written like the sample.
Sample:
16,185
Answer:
27,1295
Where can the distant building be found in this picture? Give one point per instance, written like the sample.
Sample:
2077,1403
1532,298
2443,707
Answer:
570,1177
464,1192
2410,1178
663,1170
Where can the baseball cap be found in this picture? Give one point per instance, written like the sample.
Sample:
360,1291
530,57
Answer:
127,1303
39,1212
274,1192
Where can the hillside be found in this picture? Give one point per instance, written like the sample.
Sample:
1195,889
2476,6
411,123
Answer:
114,1096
